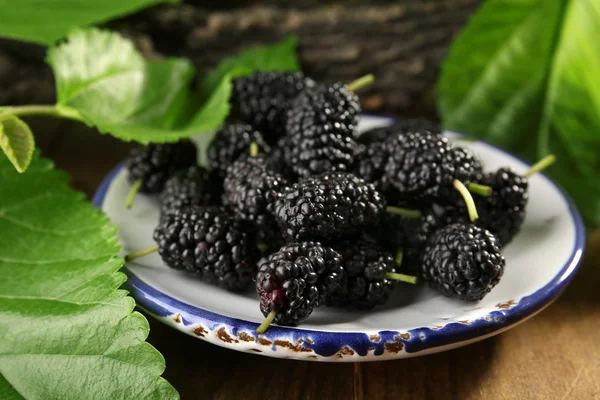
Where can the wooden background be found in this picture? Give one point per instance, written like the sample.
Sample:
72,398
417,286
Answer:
556,355
401,42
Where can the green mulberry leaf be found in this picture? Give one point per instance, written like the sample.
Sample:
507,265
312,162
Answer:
46,21
103,78
523,74
16,140
66,329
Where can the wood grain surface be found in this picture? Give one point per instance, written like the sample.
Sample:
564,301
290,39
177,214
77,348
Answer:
555,355
401,42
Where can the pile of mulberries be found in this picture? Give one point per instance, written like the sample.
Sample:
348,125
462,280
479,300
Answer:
295,202
153,164
262,99
230,143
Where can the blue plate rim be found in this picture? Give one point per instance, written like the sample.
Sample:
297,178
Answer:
328,343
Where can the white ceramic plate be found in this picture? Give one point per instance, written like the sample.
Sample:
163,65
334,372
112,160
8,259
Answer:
416,321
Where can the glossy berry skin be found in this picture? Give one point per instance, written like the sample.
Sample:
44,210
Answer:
402,125
279,159
251,187
417,166
328,206
190,186
321,125
423,166
365,264
319,107
230,143
467,168
263,98
296,279
378,146
369,164
268,236
328,152
463,261
154,163
210,243
503,212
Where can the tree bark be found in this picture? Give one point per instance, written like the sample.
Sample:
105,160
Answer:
401,42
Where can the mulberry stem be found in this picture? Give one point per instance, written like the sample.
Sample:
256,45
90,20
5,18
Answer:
253,149
133,192
53,111
398,258
540,165
141,253
361,82
401,277
262,247
403,212
471,208
265,325
481,190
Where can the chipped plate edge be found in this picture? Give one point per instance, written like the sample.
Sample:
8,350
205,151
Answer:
313,345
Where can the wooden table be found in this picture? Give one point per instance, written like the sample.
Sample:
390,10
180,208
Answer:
556,355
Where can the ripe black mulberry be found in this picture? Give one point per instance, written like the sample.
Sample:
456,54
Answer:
463,261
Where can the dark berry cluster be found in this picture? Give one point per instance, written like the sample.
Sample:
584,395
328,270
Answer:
153,164
230,143
190,186
279,159
423,166
210,243
321,126
251,187
407,237
262,99
503,212
337,217
298,278
379,147
369,164
463,261
366,266
328,205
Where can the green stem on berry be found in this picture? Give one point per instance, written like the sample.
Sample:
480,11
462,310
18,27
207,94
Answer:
394,276
405,212
471,208
253,149
262,247
398,258
141,253
265,325
361,82
540,165
133,192
481,190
